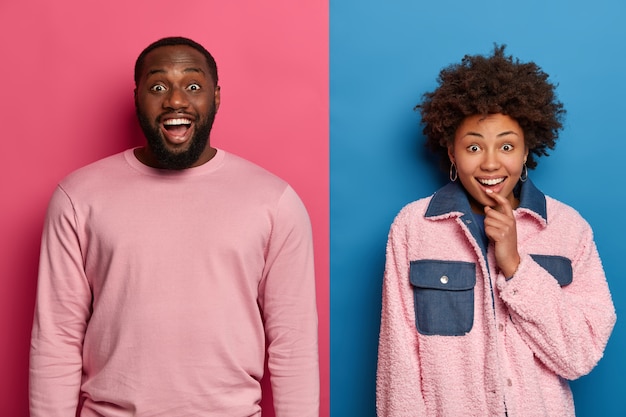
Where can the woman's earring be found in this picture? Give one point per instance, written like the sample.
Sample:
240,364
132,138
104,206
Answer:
524,175
454,173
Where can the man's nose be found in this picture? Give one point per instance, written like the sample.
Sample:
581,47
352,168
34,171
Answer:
176,99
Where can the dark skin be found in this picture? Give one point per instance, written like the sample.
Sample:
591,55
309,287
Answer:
501,229
489,153
176,93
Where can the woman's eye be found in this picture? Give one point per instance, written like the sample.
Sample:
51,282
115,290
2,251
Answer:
507,147
157,88
473,148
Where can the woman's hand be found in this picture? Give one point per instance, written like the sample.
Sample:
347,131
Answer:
500,228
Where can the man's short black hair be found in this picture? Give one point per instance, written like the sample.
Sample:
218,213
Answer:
175,41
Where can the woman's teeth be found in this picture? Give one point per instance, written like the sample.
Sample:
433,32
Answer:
491,182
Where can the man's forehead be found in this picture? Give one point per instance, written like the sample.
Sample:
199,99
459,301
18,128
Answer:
168,56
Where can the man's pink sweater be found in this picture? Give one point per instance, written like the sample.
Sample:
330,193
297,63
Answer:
159,290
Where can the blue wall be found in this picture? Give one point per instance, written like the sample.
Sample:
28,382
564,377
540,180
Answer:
384,56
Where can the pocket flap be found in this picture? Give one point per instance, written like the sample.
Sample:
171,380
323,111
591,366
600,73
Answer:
558,266
443,275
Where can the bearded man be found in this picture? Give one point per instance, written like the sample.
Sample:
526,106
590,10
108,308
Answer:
168,272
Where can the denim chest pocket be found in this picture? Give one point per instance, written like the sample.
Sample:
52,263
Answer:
443,296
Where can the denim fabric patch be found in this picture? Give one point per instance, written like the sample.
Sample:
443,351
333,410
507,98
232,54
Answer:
558,266
443,295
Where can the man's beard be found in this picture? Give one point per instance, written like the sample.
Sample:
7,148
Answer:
177,160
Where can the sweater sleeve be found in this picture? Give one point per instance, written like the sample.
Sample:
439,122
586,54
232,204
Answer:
61,313
568,327
288,302
398,378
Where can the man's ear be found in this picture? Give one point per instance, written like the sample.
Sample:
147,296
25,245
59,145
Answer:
217,97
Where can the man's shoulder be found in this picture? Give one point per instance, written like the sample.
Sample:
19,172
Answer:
98,170
248,170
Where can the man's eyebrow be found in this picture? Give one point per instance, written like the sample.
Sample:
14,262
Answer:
186,70
194,69
155,71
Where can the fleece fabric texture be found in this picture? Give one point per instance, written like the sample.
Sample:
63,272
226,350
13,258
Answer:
159,290
457,338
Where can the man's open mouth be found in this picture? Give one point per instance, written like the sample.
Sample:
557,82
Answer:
177,127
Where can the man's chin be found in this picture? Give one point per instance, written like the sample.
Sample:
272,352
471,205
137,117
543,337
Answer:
174,156
175,151
176,159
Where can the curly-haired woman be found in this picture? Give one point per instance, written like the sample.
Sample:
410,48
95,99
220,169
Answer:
494,294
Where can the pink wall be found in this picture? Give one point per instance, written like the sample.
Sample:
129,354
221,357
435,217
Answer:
66,100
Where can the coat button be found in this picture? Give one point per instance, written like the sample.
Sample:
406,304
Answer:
444,279
501,327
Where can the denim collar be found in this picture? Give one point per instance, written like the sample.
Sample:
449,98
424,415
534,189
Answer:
453,198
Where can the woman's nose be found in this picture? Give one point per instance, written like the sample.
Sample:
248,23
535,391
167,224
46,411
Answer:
490,161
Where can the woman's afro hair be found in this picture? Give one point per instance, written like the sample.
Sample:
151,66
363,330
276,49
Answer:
488,85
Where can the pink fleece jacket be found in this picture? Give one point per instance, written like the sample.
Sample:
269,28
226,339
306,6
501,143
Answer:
159,290
459,339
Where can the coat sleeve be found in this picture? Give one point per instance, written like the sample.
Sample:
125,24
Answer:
567,327
398,379
287,299
62,309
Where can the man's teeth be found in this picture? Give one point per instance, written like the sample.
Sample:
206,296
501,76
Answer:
494,181
177,122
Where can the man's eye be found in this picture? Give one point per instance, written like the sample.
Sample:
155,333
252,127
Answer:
194,87
157,88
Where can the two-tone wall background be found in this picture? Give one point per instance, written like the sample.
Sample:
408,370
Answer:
322,94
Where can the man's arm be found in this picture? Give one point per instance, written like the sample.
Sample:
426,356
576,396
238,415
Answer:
61,314
287,299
